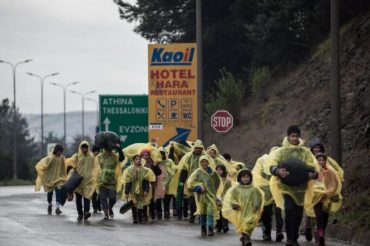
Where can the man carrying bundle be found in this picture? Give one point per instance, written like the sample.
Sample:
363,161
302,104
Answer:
293,167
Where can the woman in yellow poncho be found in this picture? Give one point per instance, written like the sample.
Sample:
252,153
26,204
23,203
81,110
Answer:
204,182
162,190
218,159
51,174
110,166
222,224
235,165
316,147
84,164
137,187
243,205
327,196
292,198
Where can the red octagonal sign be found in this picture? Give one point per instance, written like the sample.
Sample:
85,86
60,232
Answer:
222,121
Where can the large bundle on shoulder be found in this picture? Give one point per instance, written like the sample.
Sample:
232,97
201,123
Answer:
106,140
298,172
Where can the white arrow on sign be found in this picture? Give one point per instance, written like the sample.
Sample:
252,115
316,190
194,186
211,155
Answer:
123,138
106,122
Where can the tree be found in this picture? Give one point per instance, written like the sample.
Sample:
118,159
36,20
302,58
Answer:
26,148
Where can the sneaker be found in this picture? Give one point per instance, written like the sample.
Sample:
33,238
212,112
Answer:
203,231
95,211
266,236
191,219
210,231
87,215
218,229
111,214
279,236
167,215
58,211
49,209
245,240
225,229
308,234
79,217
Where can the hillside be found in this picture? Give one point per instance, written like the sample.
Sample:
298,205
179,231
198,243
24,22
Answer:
301,97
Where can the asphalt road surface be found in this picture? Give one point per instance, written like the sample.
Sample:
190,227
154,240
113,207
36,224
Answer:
24,221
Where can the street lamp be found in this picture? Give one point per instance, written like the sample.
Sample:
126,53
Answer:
97,110
64,87
14,68
83,95
42,79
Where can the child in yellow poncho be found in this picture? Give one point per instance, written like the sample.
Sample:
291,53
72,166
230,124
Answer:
84,164
222,224
243,205
327,196
137,187
205,183
51,174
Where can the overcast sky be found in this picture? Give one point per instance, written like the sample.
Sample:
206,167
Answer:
83,40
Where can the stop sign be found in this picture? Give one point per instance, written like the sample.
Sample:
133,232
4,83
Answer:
222,121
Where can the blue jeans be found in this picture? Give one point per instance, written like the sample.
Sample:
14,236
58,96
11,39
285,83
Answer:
58,195
206,220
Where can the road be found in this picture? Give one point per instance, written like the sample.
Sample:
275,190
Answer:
24,221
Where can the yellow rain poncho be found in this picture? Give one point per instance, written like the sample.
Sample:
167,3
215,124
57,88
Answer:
136,175
262,180
338,169
51,172
220,160
179,150
87,168
250,199
110,170
327,189
302,195
211,181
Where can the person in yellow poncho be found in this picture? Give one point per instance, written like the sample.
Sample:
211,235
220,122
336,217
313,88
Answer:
205,182
151,157
162,190
236,165
109,164
217,159
262,181
316,146
84,164
51,174
222,224
243,205
327,196
296,194
137,187
188,164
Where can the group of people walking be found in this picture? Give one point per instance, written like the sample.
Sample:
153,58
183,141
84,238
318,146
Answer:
288,182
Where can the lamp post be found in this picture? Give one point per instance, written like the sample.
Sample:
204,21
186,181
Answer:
42,79
64,87
83,95
14,68
198,21
97,110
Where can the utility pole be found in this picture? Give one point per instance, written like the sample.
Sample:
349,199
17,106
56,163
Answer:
335,83
42,79
14,69
199,67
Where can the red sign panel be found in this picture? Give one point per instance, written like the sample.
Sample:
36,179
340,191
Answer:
222,121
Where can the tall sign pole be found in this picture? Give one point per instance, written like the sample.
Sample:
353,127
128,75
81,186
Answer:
200,66
335,86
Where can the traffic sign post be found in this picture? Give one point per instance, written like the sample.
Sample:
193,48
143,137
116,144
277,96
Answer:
222,121
126,115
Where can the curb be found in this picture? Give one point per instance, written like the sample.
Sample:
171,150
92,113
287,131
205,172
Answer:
348,234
